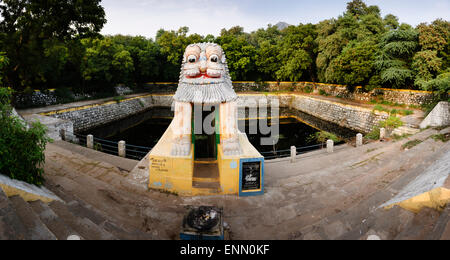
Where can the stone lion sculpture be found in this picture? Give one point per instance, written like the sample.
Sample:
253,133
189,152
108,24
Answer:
205,79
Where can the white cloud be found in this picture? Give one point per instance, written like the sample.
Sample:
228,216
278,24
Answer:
146,17
204,17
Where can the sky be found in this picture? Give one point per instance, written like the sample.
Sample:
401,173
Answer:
146,17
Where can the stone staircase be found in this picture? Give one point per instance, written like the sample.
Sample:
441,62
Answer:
21,220
400,224
405,130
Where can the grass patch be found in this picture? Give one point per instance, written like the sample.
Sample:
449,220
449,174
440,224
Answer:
323,92
411,144
362,163
381,108
371,150
403,112
441,137
400,137
118,98
440,128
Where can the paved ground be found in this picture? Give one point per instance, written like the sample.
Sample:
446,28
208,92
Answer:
320,196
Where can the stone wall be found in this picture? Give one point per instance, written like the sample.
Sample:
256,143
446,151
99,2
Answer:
406,97
352,117
356,118
91,116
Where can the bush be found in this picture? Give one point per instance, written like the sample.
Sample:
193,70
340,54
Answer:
322,137
391,123
375,134
323,92
21,148
308,89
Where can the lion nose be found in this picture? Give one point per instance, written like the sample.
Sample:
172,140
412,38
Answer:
203,63
203,67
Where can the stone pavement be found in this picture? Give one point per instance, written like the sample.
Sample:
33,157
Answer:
319,196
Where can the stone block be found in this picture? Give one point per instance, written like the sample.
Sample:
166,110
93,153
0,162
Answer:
440,116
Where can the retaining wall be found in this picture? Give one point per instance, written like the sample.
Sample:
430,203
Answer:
91,116
352,117
400,96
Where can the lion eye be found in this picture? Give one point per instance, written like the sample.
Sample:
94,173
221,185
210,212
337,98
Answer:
192,58
214,58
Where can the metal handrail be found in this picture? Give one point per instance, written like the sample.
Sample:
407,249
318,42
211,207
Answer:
267,155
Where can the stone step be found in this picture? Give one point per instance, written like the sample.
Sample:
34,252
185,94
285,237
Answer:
421,226
442,227
80,208
205,185
446,233
11,227
85,227
36,230
385,224
60,229
405,130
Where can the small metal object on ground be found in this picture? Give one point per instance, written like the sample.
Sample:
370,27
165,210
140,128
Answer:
203,223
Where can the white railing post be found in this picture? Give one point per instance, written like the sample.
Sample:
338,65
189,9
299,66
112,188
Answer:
122,149
330,146
382,133
293,153
90,141
359,140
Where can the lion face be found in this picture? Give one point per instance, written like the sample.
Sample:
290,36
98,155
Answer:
204,76
203,63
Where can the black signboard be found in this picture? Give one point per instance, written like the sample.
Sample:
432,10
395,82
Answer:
251,176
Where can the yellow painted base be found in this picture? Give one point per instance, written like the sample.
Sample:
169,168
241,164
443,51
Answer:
26,196
176,174
436,199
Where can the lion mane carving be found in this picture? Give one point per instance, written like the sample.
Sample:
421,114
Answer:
205,79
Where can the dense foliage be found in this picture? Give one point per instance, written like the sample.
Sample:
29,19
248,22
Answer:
56,44
21,147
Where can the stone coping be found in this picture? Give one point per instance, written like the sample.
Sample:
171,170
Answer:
76,106
27,191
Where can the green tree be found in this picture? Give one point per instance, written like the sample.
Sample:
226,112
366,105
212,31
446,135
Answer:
394,60
391,22
347,46
356,8
239,52
105,64
172,45
145,55
32,31
354,66
21,147
267,61
431,64
298,51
